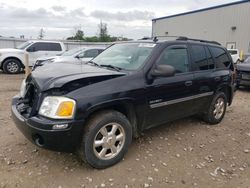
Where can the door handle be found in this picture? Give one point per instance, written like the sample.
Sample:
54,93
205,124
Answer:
188,83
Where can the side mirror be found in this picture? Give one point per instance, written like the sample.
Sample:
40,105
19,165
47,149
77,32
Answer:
163,71
31,49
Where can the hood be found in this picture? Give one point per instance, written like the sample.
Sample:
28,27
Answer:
243,67
66,58
11,50
56,75
44,58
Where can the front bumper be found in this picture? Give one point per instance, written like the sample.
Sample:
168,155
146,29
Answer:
244,79
39,131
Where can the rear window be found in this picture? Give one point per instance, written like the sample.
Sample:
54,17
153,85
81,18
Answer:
221,58
232,52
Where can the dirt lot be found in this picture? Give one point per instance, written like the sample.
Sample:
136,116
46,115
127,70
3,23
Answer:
185,153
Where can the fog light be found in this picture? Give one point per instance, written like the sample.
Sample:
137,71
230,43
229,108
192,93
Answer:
60,126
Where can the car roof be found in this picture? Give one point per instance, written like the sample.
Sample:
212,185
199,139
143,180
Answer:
180,41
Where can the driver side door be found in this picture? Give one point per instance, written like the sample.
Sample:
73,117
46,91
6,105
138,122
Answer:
170,98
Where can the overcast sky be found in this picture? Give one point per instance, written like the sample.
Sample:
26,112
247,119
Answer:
127,18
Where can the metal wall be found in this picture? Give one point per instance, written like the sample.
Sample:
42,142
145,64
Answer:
13,42
228,25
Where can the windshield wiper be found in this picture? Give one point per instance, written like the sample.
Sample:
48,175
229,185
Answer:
93,63
112,67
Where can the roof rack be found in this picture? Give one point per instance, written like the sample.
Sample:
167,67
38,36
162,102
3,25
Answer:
198,40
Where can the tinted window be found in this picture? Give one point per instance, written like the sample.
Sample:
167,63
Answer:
54,47
232,52
221,58
176,57
210,60
91,53
44,46
199,57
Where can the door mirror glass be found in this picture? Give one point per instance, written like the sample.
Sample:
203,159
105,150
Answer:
163,71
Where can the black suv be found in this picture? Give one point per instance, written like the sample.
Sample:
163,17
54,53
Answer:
96,108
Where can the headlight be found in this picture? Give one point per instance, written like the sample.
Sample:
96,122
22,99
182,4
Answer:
57,107
23,89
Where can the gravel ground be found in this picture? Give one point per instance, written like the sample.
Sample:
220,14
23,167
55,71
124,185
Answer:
185,153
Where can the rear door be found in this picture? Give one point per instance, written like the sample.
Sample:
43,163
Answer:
52,49
170,98
203,68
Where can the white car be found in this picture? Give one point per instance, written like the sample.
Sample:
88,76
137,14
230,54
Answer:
235,54
12,60
84,54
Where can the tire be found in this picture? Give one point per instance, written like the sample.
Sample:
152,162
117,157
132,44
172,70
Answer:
12,66
98,130
217,109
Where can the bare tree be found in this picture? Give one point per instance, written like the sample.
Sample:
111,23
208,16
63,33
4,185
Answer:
103,32
41,34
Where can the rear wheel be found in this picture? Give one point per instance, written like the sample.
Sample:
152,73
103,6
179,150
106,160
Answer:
217,109
12,66
106,138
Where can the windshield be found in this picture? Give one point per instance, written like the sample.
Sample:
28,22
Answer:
72,52
128,56
24,45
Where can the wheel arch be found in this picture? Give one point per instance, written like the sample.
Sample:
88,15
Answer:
126,107
228,92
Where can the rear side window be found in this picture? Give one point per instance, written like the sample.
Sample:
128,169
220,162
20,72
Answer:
202,58
199,57
210,60
176,57
54,47
221,58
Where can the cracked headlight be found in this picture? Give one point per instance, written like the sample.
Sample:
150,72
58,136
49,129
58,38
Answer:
57,107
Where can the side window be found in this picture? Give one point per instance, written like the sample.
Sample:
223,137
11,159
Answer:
100,51
45,46
90,53
53,47
199,57
38,46
221,58
176,57
210,60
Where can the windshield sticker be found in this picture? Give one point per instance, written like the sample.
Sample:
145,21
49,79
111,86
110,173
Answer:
146,45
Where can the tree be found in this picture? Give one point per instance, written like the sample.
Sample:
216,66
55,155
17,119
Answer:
41,34
103,32
78,34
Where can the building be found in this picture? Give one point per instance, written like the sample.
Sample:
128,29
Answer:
228,24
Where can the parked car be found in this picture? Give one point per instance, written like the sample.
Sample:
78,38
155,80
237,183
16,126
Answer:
235,55
96,108
243,73
12,60
74,55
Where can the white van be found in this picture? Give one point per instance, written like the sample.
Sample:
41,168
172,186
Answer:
235,54
12,60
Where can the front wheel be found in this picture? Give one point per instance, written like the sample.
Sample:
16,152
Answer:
106,138
11,66
217,109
